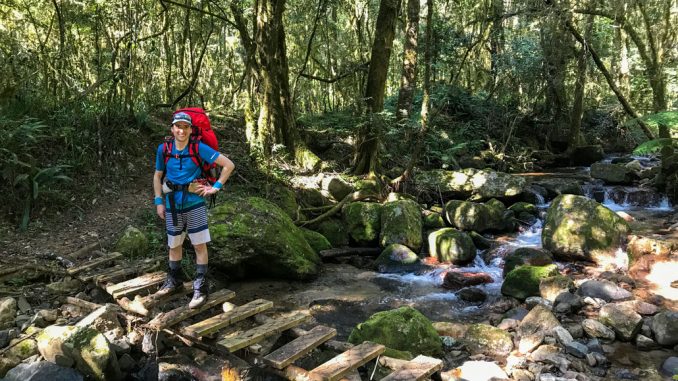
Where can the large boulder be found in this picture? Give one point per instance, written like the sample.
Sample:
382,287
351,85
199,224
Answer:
41,371
486,339
403,329
132,243
611,173
451,245
252,236
526,256
579,228
622,318
334,230
471,182
401,223
363,221
317,241
665,328
523,282
471,216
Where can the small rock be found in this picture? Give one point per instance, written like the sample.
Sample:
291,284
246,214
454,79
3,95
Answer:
472,294
576,349
543,352
665,328
670,366
528,343
603,289
4,338
551,287
644,343
508,324
23,305
591,359
594,302
562,335
65,287
623,319
596,329
8,307
575,330
567,302
532,301
594,346
522,375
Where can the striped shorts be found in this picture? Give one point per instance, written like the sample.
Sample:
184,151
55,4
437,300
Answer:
192,220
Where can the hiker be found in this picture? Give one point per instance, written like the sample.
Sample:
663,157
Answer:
185,211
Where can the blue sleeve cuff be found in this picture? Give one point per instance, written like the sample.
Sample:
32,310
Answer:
217,185
157,201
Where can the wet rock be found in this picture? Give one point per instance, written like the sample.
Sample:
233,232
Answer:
622,318
604,290
526,256
528,343
670,366
363,222
611,173
479,371
401,223
455,280
481,184
665,328
576,349
524,207
483,338
7,312
133,243
472,295
40,371
567,302
451,245
403,329
551,287
479,241
466,215
395,257
523,282
596,329
579,228
539,319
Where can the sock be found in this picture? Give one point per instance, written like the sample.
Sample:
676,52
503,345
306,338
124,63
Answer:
200,270
175,265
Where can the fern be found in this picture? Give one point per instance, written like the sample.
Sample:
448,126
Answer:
652,146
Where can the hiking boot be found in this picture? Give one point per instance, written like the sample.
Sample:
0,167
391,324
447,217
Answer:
172,283
199,293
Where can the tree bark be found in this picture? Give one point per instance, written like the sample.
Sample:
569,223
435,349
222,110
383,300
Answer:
408,79
366,158
579,89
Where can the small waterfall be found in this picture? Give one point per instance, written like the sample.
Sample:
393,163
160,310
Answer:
622,198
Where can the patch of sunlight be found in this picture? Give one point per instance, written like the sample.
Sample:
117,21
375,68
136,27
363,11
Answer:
661,275
459,178
618,261
479,371
479,179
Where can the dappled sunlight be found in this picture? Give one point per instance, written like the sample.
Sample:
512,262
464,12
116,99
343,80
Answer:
618,261
661,275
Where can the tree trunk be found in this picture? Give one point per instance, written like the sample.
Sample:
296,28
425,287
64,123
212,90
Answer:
408,79
579,93
366,159
556,46
496,42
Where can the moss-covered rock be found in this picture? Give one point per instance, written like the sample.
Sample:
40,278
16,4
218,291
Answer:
466,215
334,230
432,220
526,256
363,222
312,197
94,355
286,200
560,185
317,241
132,243
22,349
611,173
395,256
7,363
524,207
401,223
252,236
471,182
403,329
451,245
551,287
372,186
579,228
523,282
489,340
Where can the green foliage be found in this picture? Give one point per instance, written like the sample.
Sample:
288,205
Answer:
667,118
652,146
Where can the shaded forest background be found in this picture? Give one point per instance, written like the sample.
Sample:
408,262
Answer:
361,86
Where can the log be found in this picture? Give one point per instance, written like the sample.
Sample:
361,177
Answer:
348,251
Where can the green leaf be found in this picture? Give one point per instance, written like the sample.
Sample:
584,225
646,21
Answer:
20,179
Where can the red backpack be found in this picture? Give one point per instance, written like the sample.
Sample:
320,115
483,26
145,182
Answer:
202,132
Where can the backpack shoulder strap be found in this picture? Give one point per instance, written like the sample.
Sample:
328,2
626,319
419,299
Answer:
194,151
167,151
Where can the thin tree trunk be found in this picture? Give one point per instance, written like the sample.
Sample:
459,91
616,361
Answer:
408,79
579,89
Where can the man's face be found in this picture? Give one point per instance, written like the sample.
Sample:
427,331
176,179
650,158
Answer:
181,131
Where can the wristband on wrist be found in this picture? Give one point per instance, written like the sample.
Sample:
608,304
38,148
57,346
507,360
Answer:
157,200
217,185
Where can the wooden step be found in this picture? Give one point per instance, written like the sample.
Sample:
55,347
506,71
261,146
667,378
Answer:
347,362
235,315
94,263
299,347
243,339
170,318
90,276
137,285
120,274
143,305
422,367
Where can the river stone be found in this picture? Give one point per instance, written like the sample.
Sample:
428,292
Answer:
403,329
401,223
454,330
579,228
670,366
528,343
40,371
576,349
363,222
252,236
22,349
480,184
455,280
451,245
644,343
334,230
432,220
337,187
523,282
603,289
611,173
543,353
539,319
7,312
665,328
317,241
524,207
596,329
486,339
133,243
560,186
562,335
472,295
567,302
472,216
551,287
526,256
395,256
93,355
622,318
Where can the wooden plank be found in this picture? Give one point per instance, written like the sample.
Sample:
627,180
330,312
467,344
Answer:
235,315
170,318
299,347
136,285
94,263
422,367
243,339
91,275
347,362
123,273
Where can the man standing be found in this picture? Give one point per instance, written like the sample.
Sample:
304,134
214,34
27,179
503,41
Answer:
185,211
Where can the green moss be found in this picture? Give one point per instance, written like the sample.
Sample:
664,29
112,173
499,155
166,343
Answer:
403,329
395,256
523,282
334,230
401,223
317,241
23,348
363,221
526,255
432,220
133,243
484,338
524,207
451,245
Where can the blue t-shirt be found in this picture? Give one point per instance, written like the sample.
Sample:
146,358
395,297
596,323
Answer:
183,171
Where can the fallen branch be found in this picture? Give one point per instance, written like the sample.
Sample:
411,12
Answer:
355,196
348,251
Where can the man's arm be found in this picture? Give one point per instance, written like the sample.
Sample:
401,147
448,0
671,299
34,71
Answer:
157,191
227,168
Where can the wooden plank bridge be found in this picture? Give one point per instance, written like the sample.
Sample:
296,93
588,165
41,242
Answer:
133,284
